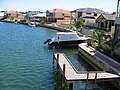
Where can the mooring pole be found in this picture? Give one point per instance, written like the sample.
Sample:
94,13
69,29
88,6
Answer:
57,61
87,79
95,80
71,86
58,41
63,78
53,53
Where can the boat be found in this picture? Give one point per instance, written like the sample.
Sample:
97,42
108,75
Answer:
32,24
65,39
16,22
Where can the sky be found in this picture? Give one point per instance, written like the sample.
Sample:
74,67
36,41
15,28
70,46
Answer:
43,5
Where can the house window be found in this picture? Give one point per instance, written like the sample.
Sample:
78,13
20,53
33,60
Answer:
79,14
63,14
88,13
50,14
95,14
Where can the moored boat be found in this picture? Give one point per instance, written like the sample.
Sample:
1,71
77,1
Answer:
66,39
32,24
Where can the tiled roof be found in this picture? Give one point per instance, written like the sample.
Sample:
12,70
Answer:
109,16
90,10
59,11
12,12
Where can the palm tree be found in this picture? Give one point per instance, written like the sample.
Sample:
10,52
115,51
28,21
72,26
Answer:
98,38
113,44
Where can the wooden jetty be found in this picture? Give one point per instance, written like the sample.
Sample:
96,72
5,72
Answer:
70,74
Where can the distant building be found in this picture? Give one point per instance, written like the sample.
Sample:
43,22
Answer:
38,17
58,16
30,14
117,22
88,14
1,15
14,15
105,21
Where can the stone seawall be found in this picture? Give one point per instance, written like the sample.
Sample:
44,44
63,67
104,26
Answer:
53,27
50,26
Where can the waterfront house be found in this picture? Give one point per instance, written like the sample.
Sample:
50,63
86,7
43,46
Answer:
58,16
1,15
88,14
14,15
40,17
106,21
29,15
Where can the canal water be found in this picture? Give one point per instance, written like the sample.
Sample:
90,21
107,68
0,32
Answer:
26,63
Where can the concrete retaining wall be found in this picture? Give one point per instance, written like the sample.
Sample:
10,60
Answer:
92,60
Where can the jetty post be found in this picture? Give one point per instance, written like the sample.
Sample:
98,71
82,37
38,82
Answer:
57,61
87,79
95,80
70,86
58,41
53,53
63,77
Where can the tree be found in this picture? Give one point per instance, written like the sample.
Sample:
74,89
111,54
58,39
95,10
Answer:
98,38
113,44
79,23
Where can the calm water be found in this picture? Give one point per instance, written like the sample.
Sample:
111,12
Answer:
25,62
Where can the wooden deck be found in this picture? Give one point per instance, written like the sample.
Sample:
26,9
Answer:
72,76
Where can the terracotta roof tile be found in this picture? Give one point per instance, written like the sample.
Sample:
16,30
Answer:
59,11
12,12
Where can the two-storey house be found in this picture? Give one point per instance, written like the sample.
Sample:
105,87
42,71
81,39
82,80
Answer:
88,14
58,16
14,15
106,21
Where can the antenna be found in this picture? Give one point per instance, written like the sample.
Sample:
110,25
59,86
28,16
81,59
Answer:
118,9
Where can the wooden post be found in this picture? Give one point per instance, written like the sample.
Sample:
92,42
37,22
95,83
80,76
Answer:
53,53
58,41
64,69
118,83
87,81
57,61
71,86
87,78
95,80
63,78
